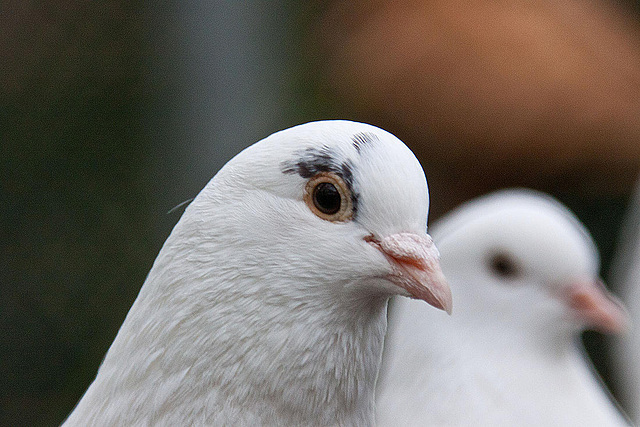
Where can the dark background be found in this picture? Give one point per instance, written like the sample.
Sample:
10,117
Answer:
112,113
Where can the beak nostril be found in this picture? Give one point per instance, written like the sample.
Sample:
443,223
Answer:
410,248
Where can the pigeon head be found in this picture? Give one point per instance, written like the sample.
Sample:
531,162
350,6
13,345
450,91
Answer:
341,206
520,257
267,303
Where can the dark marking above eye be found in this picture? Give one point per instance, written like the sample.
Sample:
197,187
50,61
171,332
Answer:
362,139
347,174
313,161
504,265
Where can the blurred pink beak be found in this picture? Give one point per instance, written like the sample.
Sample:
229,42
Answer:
416,267
594,305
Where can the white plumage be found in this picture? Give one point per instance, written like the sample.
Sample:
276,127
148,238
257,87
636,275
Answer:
267,303
524,274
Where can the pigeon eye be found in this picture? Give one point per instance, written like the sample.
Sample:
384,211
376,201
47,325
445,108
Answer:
328,197
504,266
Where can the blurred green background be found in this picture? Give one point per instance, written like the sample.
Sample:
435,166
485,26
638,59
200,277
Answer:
112,113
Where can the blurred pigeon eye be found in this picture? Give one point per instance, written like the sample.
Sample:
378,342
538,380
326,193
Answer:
329,198
503,265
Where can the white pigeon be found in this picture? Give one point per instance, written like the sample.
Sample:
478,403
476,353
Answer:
625,276
267,303
524,274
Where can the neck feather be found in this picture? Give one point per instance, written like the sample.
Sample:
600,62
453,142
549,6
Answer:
198,349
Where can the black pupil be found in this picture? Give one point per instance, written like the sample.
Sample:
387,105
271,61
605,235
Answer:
326,198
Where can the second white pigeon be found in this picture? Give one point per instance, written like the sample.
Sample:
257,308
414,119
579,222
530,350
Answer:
524,274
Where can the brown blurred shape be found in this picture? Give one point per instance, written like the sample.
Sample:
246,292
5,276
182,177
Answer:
544,94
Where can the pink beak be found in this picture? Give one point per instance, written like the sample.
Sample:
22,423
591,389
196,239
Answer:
593,304
416,267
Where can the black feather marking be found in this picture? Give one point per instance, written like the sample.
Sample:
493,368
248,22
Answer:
347,173
363,139
312,161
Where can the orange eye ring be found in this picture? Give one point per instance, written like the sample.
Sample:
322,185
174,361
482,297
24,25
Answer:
328,197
